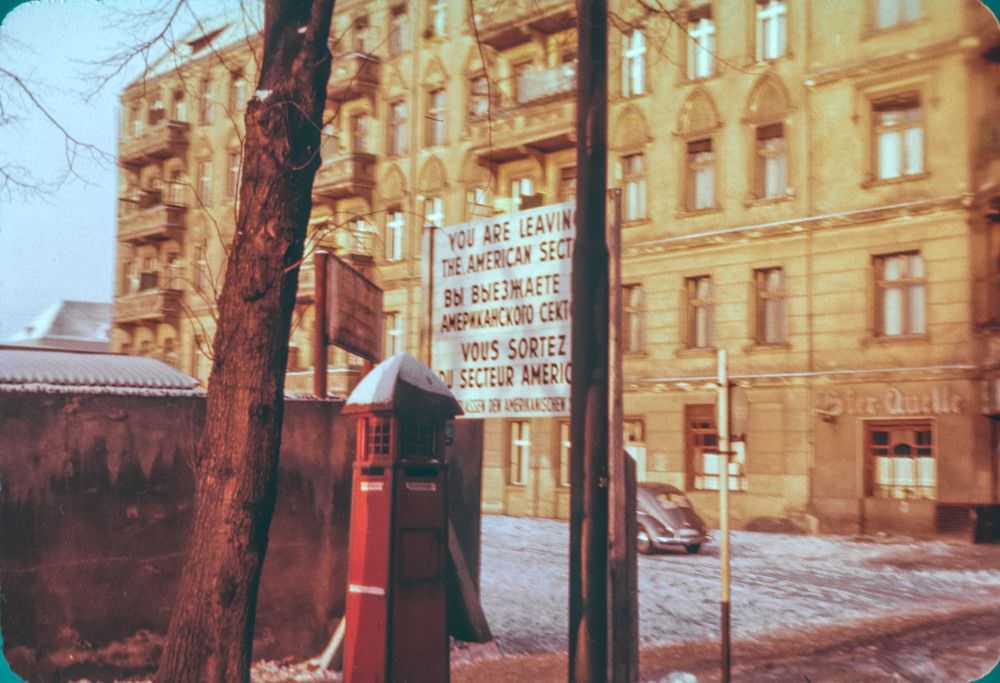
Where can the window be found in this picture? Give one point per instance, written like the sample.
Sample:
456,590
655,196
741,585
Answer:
359,133
700,305
233,174
149,278
438,19
635,445
700,175
520,452
329,143
769,287
771,29
701,43
434,211
175,188
771,172
634,171
889,13
520,188
395,226
393,333
567,184
565,453
205,181
128,276
157,112
399,31
175,276
899,292
397,128
477,203
135,121
362,237
237,91
632,318
701,449
204,102
634,63
362,35
900,460
178,111
479,102
200,268
436,117
899,136
170,351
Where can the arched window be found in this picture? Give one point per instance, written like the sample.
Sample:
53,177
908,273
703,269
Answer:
698,124
767,110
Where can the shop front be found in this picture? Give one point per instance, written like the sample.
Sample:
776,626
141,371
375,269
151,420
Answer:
900,456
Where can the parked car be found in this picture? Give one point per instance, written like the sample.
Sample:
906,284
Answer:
666,519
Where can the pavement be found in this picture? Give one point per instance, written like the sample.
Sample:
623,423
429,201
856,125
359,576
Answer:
805,608
926,647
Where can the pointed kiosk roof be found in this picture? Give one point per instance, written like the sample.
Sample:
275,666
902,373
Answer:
402,384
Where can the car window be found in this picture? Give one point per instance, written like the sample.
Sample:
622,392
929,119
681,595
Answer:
672,500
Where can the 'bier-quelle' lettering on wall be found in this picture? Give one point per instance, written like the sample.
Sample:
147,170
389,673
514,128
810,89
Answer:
892,401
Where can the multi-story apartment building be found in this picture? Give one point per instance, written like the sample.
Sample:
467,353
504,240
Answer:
809,185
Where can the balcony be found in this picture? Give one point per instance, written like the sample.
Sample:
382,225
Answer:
503,25
162,141
353,75
148,305
539,119
150,219
349,175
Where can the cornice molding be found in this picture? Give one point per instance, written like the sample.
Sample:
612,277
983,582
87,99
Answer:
793,226
884,63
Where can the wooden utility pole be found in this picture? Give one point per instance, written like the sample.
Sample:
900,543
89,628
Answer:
624,621
588,571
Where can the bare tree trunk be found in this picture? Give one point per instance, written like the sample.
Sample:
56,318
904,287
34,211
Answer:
211,630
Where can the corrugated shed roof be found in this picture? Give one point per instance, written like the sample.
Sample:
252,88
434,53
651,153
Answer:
37,370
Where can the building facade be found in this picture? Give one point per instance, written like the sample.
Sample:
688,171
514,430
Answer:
810,187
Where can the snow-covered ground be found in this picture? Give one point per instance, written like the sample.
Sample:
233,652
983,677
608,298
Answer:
777,581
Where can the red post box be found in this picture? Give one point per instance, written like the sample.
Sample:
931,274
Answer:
396,601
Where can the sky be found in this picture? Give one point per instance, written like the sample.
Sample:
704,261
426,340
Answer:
61,244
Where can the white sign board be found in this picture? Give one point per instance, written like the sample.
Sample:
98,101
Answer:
501,312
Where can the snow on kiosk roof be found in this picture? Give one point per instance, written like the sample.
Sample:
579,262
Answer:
402,384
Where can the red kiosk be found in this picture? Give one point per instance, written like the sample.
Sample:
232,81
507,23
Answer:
396,601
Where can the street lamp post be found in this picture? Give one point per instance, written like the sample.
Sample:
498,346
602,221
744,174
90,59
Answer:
724,454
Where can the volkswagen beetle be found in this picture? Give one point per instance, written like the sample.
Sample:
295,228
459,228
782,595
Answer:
666,519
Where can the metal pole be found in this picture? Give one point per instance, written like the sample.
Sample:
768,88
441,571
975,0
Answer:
724,453
320,296
588,590
429,290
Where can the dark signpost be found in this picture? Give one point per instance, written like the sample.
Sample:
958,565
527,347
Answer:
348,315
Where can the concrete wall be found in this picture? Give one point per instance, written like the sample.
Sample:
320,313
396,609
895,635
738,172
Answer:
95,512
96,499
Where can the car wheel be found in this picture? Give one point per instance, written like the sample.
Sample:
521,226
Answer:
643,543
693,548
